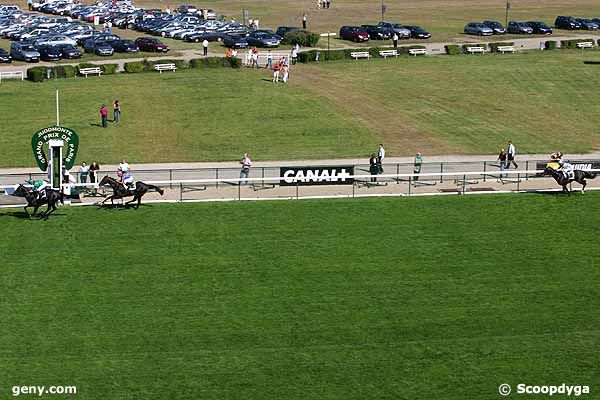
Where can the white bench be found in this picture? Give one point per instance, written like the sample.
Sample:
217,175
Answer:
90,71
164,67
416,52
585,45
360,54
12,74
388,53
475,49
506,49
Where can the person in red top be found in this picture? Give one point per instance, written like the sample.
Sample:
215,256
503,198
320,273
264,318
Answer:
103,115
276,69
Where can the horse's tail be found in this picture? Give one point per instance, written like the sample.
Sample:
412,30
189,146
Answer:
159,190
589,175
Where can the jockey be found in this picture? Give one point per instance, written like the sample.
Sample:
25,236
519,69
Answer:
39,186
127,178
566,167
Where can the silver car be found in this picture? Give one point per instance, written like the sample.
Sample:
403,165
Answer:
401,31
477,28
24,52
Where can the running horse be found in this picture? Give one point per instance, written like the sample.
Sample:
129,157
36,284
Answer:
120,191
51,198
579,176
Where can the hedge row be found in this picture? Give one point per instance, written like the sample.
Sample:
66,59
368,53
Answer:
301,37
38,74
207,62
550,44
572,44
345,54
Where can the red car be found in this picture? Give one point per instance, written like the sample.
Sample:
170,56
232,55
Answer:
151,44
354,33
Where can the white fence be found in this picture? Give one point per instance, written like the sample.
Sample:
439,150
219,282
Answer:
11,75
269,188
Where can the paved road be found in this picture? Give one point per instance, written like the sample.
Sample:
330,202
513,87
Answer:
433,49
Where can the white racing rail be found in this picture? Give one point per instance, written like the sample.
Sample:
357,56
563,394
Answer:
462,180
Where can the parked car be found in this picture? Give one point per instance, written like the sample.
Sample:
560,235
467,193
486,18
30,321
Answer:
565,22
24,52
235,41
588,24
477,28
540,27
151,44
125,46
399,29
263,38
211,36
49,53
98,47
496,27
417,32
69,51
377,32
54,40
282,30
354,33
5,56
516,27
186,9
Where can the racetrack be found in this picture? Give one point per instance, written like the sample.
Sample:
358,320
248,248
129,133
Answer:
440,298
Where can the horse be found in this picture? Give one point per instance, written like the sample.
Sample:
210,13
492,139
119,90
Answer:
34,200
579,177
120,191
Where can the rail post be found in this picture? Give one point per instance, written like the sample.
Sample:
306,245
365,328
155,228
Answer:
441,172
527,170
297,189
409,184
240,190
170,179
397,173
180,191
464,185
518,181
217,177
484,170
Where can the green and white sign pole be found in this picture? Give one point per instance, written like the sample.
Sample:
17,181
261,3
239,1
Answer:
62,145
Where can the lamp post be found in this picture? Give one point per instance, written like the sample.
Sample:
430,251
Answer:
506,19
383,10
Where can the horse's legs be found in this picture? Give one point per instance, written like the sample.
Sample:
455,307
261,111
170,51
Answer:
584,183
27,212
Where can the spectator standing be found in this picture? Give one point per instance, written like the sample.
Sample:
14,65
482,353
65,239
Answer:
84,171
29,4
269,63
234,53
254,58
246,164
94,168
327,4
124,166
304,20
417,166
250,23
168,10
380,157
395,40
502,158
103,115
294,55
276,69
116,112
319,4
205,47
109,26
256,24
511,153
285,71
249,58
373,167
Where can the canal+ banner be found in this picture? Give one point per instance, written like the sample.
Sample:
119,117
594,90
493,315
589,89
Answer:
320,175
43,136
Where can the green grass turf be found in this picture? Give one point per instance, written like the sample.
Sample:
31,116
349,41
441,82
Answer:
192,115
428,298
543,101
471,104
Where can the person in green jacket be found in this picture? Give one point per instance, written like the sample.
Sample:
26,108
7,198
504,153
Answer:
39,186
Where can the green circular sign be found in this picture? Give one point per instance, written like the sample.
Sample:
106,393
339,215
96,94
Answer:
43,136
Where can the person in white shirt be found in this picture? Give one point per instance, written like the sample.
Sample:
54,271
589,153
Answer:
246,164
234,53
84,171
205,47
380,157
511,153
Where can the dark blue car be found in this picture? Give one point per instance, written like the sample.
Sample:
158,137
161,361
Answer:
235,42
263,38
